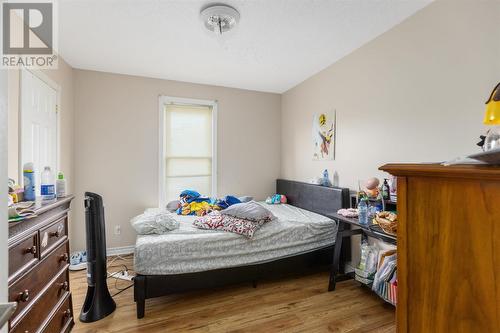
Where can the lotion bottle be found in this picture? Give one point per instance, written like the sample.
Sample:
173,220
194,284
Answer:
61,185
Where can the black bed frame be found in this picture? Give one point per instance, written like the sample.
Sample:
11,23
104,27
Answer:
318,199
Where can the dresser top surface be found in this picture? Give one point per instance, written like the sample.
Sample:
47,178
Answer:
45,211
43,206
477,171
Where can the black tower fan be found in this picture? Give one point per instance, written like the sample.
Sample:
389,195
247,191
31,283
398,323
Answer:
98,302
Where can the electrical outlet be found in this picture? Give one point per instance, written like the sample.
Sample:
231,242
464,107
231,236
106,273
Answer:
118,229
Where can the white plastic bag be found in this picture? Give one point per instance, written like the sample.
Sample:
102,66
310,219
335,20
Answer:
154,222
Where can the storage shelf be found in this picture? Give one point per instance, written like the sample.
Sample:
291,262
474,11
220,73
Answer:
371,230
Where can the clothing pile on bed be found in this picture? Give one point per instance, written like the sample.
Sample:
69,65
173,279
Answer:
241,218
192,203
242,215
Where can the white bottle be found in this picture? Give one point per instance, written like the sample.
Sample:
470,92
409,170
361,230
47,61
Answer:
61,185
47,189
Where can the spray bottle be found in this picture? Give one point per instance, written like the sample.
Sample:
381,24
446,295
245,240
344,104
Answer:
29,182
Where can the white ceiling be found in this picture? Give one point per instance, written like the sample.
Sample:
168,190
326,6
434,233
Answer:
277,44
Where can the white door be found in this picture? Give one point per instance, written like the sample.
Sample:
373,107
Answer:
38,125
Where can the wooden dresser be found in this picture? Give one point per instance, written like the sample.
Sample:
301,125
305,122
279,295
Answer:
448,248
38,271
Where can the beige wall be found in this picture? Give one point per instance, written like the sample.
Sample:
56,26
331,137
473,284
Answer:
414,94
116,144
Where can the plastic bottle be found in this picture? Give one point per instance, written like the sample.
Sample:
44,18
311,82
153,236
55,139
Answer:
326,179
363,212
386,191
47,189
61,185
29,182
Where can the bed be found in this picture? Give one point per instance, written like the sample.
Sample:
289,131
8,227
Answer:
299,240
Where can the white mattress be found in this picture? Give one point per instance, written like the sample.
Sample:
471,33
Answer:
189,249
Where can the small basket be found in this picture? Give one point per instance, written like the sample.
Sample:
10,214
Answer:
389,226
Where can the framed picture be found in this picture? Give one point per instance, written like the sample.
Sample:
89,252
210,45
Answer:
323,136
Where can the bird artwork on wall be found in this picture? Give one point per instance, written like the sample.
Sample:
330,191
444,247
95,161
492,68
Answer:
323,136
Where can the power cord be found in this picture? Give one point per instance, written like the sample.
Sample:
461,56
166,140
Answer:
122,272
119,257
113,275
121,289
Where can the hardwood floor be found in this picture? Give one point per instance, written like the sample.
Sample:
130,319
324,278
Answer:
300,304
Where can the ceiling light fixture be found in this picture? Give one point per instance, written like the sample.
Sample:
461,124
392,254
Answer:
219,18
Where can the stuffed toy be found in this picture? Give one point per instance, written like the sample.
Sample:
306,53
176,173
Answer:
276,199
371,187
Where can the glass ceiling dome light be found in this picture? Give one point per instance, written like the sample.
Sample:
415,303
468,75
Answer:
219,18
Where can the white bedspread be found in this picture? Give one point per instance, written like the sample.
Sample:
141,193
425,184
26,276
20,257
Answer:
189,249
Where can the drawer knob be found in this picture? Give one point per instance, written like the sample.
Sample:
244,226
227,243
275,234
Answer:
65,285
67,313
31,250
24,296
58,232
64,257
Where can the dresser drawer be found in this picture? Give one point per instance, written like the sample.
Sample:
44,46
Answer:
22,256
52,235
28,288
44,305
62,320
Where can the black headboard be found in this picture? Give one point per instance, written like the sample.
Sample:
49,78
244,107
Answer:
315,198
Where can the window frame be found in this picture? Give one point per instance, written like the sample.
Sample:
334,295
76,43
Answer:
163,102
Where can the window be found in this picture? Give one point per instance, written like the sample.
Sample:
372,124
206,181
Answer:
188,159
39,135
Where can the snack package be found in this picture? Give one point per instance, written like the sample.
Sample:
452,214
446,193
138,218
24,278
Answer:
369,257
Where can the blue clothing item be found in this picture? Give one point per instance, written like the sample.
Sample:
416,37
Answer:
189,195
231,200
227,201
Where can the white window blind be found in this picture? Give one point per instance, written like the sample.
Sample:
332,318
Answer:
188,150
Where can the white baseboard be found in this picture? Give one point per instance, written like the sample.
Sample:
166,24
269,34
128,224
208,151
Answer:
114,251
